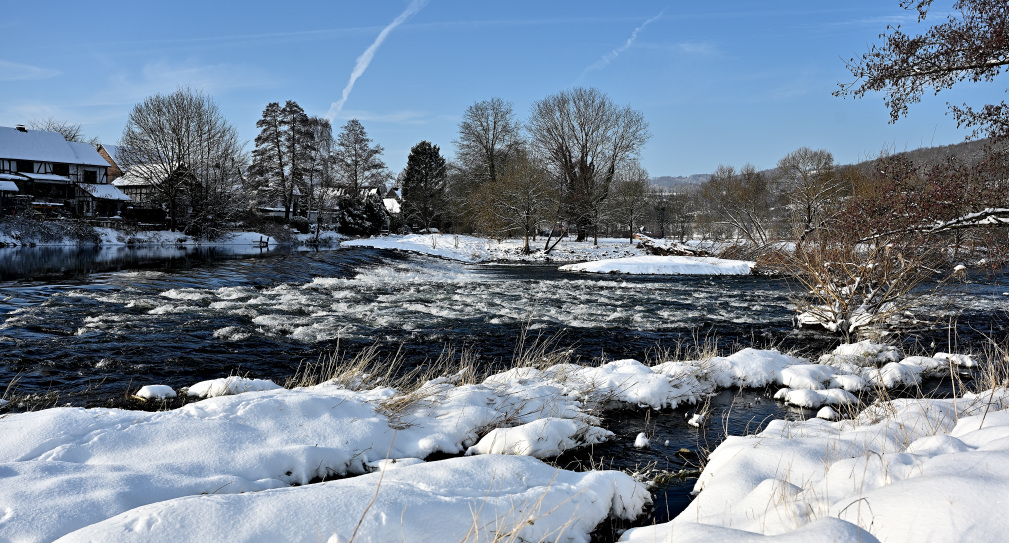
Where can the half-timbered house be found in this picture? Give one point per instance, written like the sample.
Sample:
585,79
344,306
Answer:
57,177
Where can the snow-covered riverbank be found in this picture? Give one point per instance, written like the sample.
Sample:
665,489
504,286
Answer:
610,255
189,473
111,237
474,249
904,470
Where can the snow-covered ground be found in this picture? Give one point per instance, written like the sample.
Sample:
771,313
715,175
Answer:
903,470
111,237
255,452
664,265
475,249
610,255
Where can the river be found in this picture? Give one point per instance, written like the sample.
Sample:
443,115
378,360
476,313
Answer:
89,327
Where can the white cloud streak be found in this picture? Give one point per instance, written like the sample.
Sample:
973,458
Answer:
12,71
612,55
365,59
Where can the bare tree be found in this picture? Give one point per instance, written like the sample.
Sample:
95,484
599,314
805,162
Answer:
741,200
181,145
320,170
628,202
970,45
69,131
807,181
488,136
585,137
522,198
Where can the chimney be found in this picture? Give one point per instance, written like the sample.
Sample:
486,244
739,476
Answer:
21,128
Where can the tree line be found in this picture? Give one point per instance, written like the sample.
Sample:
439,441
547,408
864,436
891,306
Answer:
572,167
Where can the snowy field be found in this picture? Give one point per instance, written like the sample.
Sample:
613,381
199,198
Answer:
256,462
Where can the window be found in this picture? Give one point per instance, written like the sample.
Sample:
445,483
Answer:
90,176
61,169
26,166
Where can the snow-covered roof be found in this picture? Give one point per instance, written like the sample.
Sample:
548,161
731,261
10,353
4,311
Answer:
47,177
87,155
391,205
104,191
12,177
39,146
140,175
8,186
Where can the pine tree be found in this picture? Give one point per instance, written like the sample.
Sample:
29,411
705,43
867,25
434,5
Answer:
358,163
284,148
424,186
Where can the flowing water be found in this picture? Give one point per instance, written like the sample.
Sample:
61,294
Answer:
87,328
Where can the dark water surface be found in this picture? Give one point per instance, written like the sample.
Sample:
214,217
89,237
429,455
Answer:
89,327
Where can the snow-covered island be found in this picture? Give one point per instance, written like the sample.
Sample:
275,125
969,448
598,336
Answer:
344,460
664,265
610,255
474,249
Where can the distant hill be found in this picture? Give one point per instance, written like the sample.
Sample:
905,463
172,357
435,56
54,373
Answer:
671,182
969,152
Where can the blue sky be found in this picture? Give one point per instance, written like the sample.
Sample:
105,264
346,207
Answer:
720,82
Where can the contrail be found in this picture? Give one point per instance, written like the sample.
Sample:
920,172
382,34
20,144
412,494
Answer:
369,53
609,57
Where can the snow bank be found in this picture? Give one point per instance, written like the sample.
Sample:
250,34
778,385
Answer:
665,265
67,468
486,498
904,470
474,249
543,438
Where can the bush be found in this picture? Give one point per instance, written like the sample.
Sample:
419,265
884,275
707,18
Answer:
300,224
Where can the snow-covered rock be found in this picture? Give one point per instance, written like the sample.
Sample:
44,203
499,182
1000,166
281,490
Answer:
230,385
543,438
155,392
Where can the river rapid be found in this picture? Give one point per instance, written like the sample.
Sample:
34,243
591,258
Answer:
88,328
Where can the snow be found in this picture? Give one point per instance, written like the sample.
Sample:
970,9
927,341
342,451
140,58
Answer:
484,498
862,353
475,249
121,475
664,265
230,385
543,438
902,470
68,468
641,441
155,392
697,419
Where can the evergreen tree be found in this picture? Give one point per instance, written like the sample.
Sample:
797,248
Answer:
284,152
359,164
424,186
362,216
